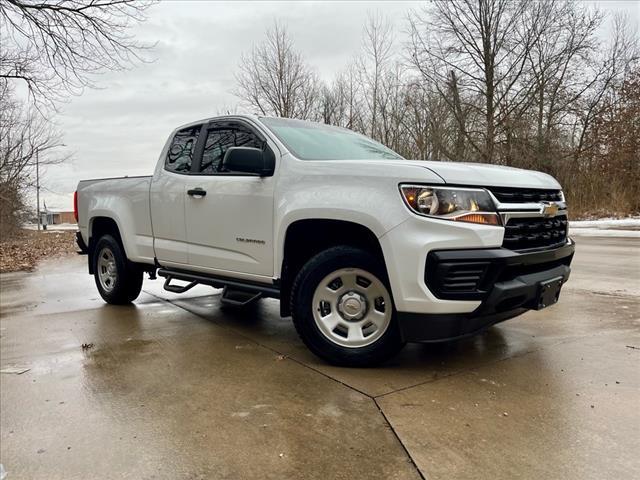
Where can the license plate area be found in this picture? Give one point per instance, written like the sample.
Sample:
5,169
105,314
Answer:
548,292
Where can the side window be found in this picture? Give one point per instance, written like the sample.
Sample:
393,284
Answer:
181,150
219,140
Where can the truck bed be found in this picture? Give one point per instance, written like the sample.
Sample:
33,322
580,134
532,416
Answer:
126,201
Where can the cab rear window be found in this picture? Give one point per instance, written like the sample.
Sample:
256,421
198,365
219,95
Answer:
180,154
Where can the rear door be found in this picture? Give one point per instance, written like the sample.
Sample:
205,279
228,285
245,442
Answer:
167,197
230,227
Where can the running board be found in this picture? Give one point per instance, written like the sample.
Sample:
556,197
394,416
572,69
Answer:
234,284
239,298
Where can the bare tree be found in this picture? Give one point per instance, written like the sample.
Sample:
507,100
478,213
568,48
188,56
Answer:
345,94
392,107
25,137
607,68
275,80
55,47
559,69
486,45
331,105
373,65
416,123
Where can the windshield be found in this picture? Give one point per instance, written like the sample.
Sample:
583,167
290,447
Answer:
317,141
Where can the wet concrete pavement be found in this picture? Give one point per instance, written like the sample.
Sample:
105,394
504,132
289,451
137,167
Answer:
177,388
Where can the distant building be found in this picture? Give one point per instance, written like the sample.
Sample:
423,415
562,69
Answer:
52,217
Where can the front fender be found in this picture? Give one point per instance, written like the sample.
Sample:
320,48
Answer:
335,207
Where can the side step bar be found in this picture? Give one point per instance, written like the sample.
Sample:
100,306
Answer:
234,285
238,298
177,288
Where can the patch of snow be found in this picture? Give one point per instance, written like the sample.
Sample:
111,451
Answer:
606,227
57,226
602,232
606,223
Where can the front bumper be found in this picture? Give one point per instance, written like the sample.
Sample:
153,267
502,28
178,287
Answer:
506,283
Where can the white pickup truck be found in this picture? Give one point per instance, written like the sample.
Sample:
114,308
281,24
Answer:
364,249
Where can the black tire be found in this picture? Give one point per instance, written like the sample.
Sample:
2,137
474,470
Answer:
302,294
128,276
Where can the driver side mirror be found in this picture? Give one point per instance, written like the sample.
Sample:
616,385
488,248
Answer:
248,160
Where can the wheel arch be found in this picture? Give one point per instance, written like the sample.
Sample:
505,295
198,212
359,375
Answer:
307,237
99,226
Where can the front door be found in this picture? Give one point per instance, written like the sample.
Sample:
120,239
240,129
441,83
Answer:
229,217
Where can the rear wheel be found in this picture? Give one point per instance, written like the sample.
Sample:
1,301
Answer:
343,310
119,281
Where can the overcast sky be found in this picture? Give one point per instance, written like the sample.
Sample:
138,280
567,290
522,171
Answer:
120,128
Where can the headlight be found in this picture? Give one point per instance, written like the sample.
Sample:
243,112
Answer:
471,205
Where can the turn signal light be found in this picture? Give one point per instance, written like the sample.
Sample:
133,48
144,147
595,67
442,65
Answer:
482,218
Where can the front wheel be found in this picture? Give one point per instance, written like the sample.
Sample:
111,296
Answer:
343,310
119,281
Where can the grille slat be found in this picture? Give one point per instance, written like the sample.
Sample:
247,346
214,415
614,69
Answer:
460,278
469,272
467,278
525,195
535,232
469,286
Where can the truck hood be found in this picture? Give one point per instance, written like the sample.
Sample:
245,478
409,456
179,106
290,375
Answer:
491,175
480,174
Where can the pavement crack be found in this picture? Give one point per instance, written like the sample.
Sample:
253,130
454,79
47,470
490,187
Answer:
419,384
315,370
463,371
395,434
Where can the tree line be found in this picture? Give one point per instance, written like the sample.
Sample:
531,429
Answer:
509,82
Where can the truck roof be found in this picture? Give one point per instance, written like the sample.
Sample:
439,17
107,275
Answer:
221,117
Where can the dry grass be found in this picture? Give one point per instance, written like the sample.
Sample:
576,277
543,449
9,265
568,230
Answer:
28,247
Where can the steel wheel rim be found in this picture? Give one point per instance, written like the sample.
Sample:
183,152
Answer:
352,308
107,269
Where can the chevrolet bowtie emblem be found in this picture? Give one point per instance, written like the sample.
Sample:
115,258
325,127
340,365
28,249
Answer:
550,209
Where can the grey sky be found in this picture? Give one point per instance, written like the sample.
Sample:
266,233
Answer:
119,129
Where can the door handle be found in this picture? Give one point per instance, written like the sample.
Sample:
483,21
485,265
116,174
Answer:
197,192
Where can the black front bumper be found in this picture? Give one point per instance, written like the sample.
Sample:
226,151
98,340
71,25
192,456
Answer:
507,283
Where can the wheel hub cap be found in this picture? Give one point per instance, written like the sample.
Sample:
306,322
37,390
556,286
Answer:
352,306
107,269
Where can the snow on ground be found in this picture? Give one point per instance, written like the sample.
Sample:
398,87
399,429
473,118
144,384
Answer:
624,223
601,232
606,227
58,227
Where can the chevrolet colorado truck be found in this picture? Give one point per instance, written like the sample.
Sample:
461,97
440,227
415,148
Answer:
364,249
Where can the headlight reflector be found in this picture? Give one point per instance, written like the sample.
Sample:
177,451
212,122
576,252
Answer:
471,205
